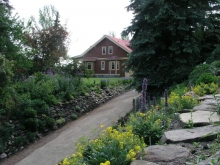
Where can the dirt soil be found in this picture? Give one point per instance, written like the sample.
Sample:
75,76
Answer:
52,148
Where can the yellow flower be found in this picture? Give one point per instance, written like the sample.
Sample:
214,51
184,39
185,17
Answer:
102,126
107,163
121,145
137,148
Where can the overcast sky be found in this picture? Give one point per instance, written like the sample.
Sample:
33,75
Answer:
87,20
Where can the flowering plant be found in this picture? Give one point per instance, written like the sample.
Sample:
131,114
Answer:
149,125
114,146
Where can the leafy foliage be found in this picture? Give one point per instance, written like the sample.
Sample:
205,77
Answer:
49,40
169,39
12,41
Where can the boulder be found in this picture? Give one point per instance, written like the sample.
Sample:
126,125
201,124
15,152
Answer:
190,135
3,155
200,117
142,162
165,153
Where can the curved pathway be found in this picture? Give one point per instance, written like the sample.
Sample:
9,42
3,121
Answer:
53,148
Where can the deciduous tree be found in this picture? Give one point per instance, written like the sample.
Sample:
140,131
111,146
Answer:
48,38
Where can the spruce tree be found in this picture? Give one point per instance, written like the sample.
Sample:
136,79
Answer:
170,37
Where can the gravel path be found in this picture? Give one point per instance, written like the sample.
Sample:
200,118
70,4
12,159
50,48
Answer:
51,149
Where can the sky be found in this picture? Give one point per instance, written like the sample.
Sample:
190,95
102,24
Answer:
87,20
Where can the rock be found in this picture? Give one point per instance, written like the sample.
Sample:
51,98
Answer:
165,153
3,155
190,135
200,117
214,157
204,107
142,162
191,93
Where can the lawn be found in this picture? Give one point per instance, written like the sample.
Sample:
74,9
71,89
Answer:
98,80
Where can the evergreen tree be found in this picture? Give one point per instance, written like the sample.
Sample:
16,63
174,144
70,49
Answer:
170,37
12,40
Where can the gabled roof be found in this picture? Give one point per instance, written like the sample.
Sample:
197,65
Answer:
124,44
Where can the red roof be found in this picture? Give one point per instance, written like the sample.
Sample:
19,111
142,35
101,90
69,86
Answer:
123,43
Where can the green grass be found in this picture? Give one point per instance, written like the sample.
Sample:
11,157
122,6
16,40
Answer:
98,80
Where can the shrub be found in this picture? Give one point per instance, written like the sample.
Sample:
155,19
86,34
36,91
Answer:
31,136
41,106
28,113
18,141
195,74
178,102
73,116
207,78
149,125
60,121
115,147
31,124
49,122
203,89
6,130
41,125
104,83
77,108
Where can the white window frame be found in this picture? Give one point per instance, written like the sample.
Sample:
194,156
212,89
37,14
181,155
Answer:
110,48
103,50
117,65
89,63
102,65
113,62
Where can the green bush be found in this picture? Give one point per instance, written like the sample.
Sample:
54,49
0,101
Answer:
41,106
18,141
31,136
150,125
49,122
41,125
104,83
60,121
31,124
78,109
29,113
6,130
196,73
207,78
73,116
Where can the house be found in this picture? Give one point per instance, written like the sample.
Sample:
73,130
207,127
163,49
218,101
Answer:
106,57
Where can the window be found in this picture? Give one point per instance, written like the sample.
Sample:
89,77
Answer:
112,65
110,50
102,65
103,50
89,65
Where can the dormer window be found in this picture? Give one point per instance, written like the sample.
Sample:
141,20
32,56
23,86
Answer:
110,50
103,50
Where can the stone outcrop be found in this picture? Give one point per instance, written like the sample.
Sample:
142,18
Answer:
142,162
165,153
190,135
200,118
